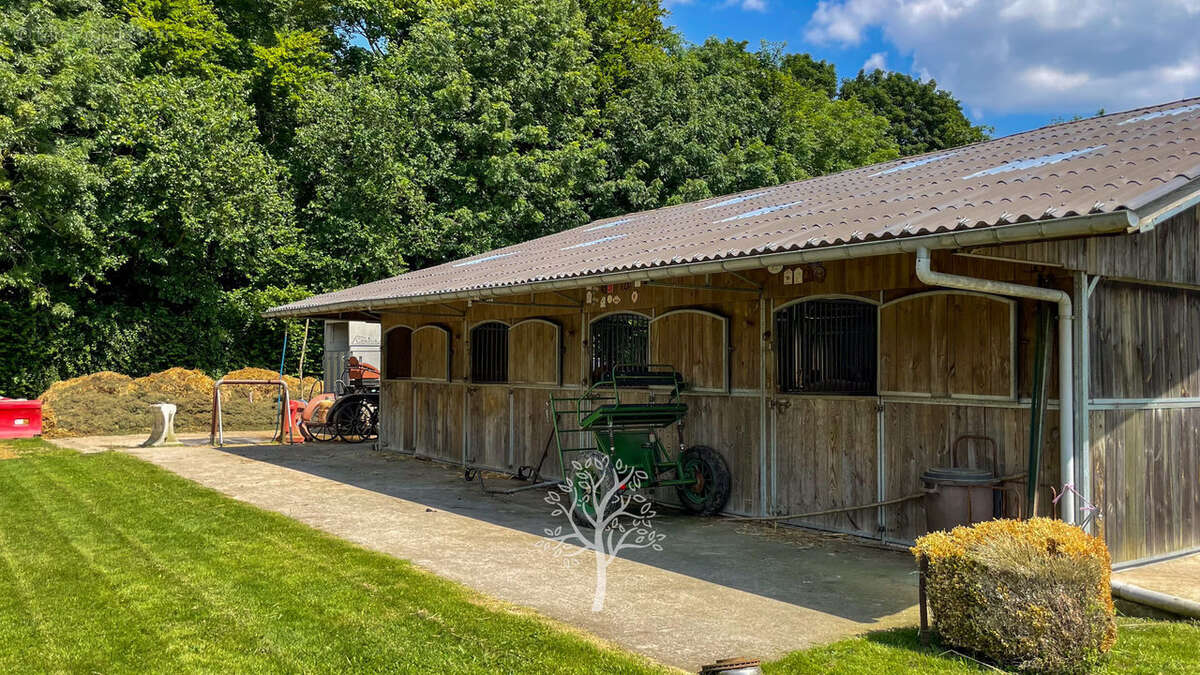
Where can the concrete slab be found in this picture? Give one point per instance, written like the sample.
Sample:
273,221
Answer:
719,588
1178,576
91,444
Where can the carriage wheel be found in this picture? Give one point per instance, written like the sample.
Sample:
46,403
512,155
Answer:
708,495
357,422
323,432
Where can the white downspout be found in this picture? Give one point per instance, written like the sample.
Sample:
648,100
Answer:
1066,417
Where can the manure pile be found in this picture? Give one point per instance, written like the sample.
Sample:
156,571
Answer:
111,404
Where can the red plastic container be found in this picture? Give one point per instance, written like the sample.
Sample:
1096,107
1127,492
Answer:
296,416
20,418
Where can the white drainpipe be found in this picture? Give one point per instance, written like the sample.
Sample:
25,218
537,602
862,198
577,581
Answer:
1066,418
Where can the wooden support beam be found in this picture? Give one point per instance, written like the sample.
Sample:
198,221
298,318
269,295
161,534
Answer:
693,287
505,303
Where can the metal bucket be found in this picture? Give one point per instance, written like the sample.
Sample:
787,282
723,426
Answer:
957,496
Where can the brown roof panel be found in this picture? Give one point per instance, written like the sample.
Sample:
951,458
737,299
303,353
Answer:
1097,165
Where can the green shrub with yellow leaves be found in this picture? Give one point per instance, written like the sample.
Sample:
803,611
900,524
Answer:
1032,595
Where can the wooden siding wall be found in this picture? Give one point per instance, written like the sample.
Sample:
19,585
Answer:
948,358
395,424
686,340
918,436
947,344
1146,479
1144,424
534,353
1170,253
826,458
1144,342
430,352
1145,428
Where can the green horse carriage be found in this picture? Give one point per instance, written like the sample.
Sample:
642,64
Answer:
624,413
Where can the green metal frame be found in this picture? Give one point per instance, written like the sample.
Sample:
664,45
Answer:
625,430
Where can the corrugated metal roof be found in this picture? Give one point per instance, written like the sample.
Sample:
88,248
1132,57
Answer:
1098,165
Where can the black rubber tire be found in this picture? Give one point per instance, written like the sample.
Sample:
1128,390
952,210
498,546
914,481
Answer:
717,481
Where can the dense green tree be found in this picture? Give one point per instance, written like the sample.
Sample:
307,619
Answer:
183,37
171,168
923,118
60,70
476,131
811,73
132,205
618,31
717,118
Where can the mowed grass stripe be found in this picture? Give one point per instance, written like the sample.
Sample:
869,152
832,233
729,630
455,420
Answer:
239,600
336,612
75,565
193,580
22,627
312,587
183,610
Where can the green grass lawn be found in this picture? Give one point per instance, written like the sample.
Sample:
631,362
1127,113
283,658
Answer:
109,564
1143,646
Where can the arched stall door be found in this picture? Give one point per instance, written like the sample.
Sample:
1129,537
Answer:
696,343
535,352
431,353
948,344
489,349
826,346
823,410
437,408
395,391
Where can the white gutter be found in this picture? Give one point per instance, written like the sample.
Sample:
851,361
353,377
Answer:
1066,398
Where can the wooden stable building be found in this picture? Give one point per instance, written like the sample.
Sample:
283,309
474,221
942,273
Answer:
840,335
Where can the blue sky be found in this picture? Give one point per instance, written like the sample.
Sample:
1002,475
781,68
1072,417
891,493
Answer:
1015,64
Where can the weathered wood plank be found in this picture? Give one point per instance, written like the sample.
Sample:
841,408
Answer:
431,352
534,353
487,426
694,343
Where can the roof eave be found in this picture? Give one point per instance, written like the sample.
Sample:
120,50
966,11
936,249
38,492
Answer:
1121,220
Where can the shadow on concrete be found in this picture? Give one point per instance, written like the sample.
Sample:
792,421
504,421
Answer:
827,573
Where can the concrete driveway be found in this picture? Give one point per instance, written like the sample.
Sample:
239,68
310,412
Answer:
720,588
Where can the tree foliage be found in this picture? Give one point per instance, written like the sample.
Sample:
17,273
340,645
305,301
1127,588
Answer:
170,168
923,118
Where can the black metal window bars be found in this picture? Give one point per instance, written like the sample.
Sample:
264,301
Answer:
827,346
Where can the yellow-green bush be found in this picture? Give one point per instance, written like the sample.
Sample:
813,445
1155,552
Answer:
1026,594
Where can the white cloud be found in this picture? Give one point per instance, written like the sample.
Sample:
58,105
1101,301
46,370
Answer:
1033,55
877,61
748,5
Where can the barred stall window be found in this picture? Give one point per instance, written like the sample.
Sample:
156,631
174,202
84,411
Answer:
489,352
619,339
826,346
